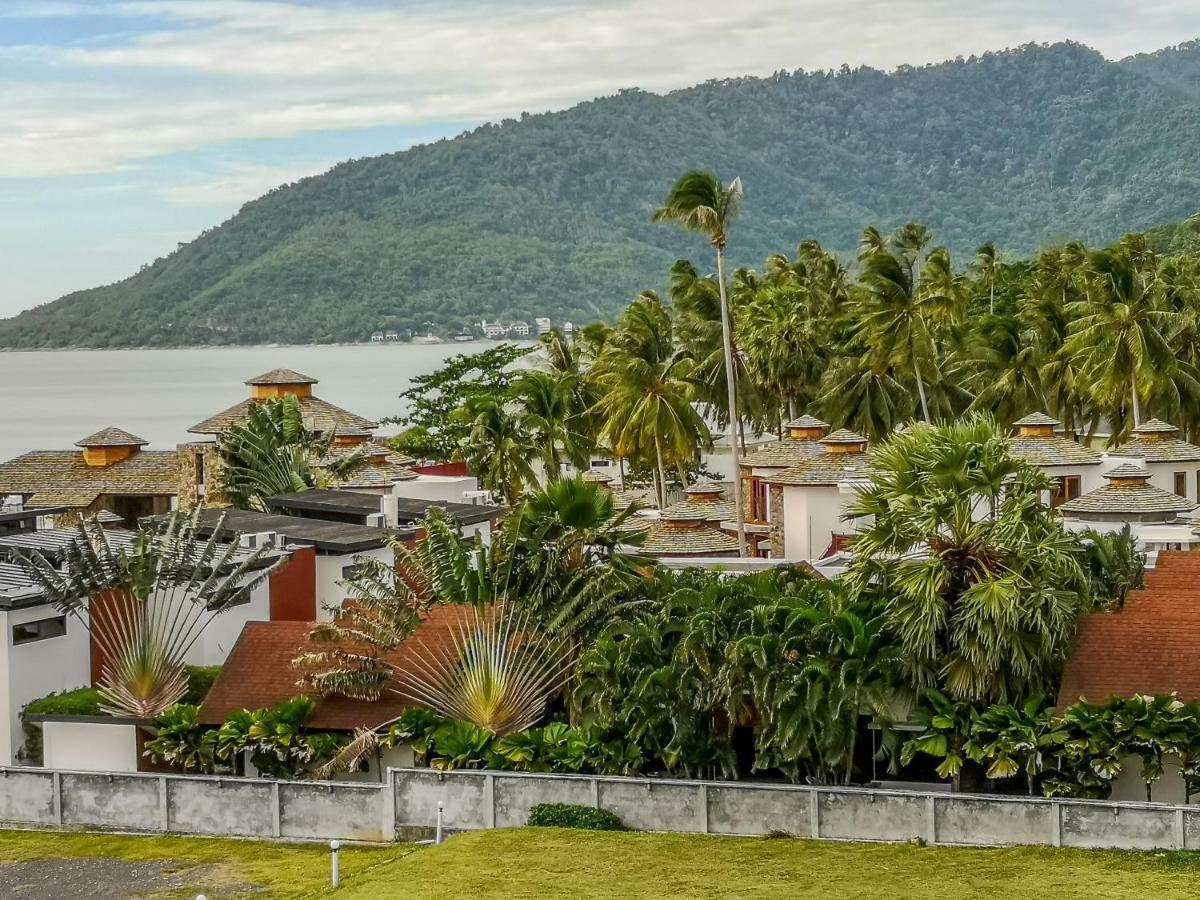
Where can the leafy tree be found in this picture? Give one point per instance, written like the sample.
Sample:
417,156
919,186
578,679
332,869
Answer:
983,584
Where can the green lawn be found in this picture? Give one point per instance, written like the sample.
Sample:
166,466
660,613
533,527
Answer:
558,863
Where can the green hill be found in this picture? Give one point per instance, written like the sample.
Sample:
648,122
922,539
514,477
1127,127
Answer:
549,214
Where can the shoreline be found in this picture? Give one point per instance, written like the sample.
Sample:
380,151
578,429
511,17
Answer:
272,346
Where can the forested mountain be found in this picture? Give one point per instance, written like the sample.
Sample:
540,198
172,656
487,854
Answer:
550,214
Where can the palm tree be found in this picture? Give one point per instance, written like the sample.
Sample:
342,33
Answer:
983,585
548,410
1119,337
499,449
146,605
646,388
699,202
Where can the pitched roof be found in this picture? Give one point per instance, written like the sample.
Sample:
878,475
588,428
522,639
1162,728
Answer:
319,415
807,421
1150,646
704,487
111,437
282,376
1052,450
843,436
626,497
595,475
1135,496
782,453
674,538
62,478
259,672
1156,441
384,468
1037,418
827,469
706,505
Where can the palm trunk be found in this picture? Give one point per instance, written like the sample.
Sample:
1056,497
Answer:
920,384
735,457
662,473
1137,407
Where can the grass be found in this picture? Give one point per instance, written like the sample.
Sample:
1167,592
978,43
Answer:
547,862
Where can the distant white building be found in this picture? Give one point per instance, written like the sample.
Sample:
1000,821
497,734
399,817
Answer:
376,337
391,336
543,325
493,330
520,329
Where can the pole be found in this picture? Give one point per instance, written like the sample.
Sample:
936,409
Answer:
731,384
438,836
335,869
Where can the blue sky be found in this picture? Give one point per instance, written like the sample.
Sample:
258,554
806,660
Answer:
127,126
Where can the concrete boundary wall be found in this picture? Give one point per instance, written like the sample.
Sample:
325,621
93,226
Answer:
407,805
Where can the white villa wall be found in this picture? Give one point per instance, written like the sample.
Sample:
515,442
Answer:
330,592
225,628
436,487
33,670
90,746
812,515
1162,474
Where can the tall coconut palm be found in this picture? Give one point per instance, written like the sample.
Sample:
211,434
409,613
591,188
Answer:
700,202
646,388
549,411
1119,336
498,450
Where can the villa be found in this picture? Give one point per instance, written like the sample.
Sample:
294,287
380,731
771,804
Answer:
111,472
1076,468
1173,463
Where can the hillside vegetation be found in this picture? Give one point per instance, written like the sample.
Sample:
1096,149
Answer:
549,215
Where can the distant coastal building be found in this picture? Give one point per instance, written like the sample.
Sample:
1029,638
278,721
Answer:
377,337
543,325
110,473
492,330
520,329
391,336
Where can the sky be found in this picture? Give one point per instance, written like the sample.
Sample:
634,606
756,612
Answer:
129,126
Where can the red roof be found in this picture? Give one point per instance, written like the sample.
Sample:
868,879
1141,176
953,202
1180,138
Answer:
259,672
1150,646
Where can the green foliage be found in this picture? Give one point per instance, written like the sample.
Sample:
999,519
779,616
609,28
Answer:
434,425
521,218
278,744
566,815
982,584
1075,754
79,702
200,680
1114,565
182,741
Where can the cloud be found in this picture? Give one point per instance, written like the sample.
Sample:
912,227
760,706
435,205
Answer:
213,71
236,184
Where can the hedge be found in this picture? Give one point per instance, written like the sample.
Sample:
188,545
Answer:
566,815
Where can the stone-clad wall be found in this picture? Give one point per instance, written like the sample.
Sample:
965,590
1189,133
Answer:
189,493
776,520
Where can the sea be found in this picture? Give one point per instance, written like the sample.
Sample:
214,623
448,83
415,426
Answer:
50,399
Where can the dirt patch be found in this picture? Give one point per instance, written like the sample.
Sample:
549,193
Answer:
99,877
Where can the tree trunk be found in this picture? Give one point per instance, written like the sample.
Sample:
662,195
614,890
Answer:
1137,407
662,473
731,384
920,383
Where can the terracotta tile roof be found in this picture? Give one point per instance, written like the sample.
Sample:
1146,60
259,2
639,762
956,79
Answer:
318,416
1151,646
112,437
826,469
62,478
1156,441
679,538
282,376
259,672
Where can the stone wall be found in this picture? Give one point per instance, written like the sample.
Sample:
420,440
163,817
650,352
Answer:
189,490
776,520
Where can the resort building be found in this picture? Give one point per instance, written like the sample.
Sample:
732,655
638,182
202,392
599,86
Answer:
708,499
1173,463
1159,519
110,472
808,501
684,533
799,444
1076,469
200,464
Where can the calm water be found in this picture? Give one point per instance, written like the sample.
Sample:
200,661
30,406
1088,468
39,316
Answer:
49,400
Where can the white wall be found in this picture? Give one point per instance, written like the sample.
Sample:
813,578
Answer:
330,592
225,628
90,746
812,515
436,487
33,670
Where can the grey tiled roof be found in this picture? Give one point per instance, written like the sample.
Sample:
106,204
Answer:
826,469
843,436
704,487
782,453
597,476
385,467
670,539
62,478
1127,471
1142,498
318,416
1052,450
1037,418
807,421
712,509
1156,440
112,437
282,376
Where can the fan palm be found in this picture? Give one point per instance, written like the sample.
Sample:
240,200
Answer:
699,202
146,605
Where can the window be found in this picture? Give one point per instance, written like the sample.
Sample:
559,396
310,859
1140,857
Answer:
241,598
1067,489
40,630
759,501
601,463
1181,483
349,573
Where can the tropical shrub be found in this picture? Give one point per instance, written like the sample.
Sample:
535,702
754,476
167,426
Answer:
182,741
567,815
1114,565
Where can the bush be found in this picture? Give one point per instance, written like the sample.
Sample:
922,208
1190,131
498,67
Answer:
79,702
566,815
200,679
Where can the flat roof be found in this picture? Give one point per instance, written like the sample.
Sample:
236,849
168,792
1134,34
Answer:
54,540
30,512
409,509
330,537
17,589
414,509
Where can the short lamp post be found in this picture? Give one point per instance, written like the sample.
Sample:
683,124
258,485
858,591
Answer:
335,869
437,839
